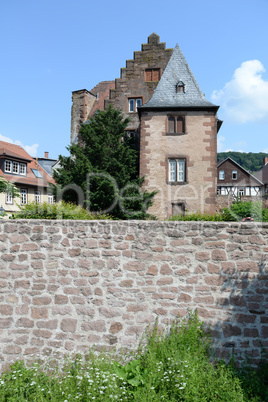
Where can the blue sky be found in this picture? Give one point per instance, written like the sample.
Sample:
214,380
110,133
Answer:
50,48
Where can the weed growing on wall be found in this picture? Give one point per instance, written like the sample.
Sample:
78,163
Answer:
171,365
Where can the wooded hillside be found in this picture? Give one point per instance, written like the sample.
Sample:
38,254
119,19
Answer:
248,160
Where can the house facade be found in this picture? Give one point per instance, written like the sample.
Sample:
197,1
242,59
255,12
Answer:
262,175
32,181
234,181
174,125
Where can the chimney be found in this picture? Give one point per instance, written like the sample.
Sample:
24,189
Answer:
265,160
46,155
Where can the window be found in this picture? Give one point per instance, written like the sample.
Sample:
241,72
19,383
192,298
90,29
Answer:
176,125
8,166
152,74
180,88
221,175
241,191
9,198
50,198
234,174
37,173
37,197
176,172
23,169
23,193
15,167
133,104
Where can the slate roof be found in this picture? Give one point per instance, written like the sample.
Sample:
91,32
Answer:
166,95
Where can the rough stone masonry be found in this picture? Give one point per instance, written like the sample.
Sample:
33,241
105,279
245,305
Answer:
68,285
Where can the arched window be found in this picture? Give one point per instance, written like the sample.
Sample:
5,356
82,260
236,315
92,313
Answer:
171,125
180,87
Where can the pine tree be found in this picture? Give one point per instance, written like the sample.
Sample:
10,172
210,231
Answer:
104,166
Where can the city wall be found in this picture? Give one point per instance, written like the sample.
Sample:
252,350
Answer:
68,285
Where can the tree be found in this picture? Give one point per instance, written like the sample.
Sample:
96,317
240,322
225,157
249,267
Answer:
104,167
7,187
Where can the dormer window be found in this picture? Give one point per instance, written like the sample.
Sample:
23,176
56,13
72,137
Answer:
180,87
14,167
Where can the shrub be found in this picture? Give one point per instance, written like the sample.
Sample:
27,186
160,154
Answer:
62,210
171,365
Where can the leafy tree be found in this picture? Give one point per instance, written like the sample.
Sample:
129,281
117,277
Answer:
248,160
102,170
7,187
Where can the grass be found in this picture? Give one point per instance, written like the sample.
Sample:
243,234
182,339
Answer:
171,365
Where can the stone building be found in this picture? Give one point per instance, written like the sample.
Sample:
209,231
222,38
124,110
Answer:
174,125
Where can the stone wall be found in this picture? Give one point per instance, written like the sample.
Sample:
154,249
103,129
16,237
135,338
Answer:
67,285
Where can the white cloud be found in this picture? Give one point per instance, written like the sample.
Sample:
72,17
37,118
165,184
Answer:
31,149
245,97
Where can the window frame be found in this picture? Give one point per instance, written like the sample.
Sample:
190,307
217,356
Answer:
23,196
137,102
151,72
9,198
50,199
177,174
221,175
234,174
177,121
14,167
37,197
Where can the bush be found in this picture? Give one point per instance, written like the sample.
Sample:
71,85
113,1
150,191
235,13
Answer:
171,365
62,210
236,212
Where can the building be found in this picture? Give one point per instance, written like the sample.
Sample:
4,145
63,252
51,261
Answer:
47,163
174,125
262,175
19,168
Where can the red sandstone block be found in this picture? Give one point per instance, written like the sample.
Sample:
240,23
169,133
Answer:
184,298
115,327
126,283
71,291
29,247
204,300
213,268
264,331
41,312
8,257
251,332
214,280
164,281
12,350
65,242
166,270
22,284
134,266
202,255
244,318
74,252
25,322
228,267
6,309
231,330
152,270
6,322
77,300
136,307
219,255
48,324
42,300
68,325
42,333
248,266
98,326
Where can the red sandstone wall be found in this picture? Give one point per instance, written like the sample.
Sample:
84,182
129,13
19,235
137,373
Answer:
67,285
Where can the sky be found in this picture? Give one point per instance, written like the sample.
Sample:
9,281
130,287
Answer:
49,48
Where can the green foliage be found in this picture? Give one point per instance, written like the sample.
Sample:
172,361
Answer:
236,212
197,216
248,160
105,168
245,209
7,187
61,210
171,365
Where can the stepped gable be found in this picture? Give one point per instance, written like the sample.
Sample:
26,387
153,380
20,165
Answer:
178,73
